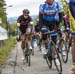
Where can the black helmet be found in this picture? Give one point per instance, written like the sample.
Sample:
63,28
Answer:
26,11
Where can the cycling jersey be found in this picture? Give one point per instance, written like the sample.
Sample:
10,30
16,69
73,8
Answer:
72,14
71,0
53,11
24,21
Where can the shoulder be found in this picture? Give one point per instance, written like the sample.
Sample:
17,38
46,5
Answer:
42,5
30,18
56,3
59,5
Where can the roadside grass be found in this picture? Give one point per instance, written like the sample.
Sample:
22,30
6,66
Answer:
6,49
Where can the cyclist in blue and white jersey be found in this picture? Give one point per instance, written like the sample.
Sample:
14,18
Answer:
50,15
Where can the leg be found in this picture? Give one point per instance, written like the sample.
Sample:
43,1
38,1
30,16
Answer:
22,30
72,9
23,45
29,37
73,50
23,41
73,55
52,27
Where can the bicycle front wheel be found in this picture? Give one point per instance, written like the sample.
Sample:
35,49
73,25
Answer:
56,59
49,61
29,61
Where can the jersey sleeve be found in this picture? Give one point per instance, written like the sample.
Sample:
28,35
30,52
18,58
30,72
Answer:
41,8
19,19
60,7
30,19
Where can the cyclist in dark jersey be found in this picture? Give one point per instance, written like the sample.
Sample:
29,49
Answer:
23,22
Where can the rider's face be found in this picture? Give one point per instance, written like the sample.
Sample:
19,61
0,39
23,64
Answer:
50,2
25,16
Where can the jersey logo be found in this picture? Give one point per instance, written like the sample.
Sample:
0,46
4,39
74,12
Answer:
50,11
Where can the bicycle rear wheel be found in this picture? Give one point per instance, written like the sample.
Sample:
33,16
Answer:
58,66
64,51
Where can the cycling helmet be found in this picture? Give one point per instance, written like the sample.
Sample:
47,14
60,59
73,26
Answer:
26,11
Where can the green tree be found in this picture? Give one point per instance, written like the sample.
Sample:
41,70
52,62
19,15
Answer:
13,29
65,5
3,13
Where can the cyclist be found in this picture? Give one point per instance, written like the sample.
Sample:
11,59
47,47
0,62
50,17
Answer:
37,28
67,21
50,15
72,17
23,22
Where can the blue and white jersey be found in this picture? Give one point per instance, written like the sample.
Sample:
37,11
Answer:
41,7
72,1
53,11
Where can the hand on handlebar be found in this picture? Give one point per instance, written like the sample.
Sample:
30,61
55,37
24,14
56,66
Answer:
18,24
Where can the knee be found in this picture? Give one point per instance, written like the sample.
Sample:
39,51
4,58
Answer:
22,38
28,30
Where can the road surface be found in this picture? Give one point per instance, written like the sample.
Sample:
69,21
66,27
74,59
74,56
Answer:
38,64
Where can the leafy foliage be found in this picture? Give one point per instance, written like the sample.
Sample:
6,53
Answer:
13,29
6,49
65,5
3,13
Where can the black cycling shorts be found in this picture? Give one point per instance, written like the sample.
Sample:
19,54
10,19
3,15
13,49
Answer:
53,25
23,28
37,29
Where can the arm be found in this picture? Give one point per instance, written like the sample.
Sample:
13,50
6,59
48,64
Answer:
60,11
61,14
30,20
18,21
41,13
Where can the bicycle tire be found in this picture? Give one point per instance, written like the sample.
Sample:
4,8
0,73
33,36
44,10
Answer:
28,58
68,41
59,70
33,51
39,45
64,57
29,61
58,67
26,52
49,62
